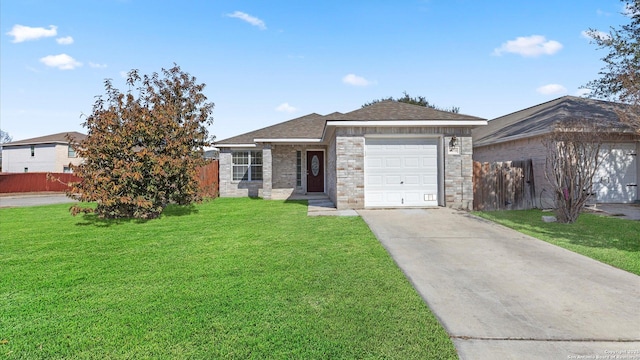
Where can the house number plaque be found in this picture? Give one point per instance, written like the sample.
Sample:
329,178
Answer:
315,165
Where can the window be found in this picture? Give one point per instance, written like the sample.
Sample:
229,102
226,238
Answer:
66,170
71,152
247,165
33,151
298,168
26,169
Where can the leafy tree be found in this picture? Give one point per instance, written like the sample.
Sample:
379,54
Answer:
143,148
419,100
620,77
4,137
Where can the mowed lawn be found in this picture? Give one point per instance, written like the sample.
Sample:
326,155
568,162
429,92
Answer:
609,240
230,278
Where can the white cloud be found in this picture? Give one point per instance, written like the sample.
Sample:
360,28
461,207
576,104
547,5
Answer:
551,89
248,18
62,62
22,33
355,80
97,66
595,34
285,107
67,40
124,74
529,46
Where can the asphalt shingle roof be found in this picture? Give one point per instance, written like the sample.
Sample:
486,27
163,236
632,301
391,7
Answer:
306,127
394,110
59,138
312,126
541,119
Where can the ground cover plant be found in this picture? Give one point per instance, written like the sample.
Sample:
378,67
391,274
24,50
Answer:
610,240
230,278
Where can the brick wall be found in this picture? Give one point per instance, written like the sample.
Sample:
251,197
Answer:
349,171
330,169
458,173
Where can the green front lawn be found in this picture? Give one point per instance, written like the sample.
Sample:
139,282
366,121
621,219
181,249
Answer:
231,278
610,240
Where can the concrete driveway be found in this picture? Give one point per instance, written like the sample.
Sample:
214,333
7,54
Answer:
504,295
27,199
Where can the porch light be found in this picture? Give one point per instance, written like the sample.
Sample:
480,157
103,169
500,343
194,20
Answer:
453,142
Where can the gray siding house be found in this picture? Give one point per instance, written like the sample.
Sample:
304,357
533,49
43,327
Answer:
388,154
518,136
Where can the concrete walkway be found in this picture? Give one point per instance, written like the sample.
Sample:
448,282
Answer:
322,206
504,295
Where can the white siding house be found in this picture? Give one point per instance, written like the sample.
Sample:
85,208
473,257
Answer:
50,153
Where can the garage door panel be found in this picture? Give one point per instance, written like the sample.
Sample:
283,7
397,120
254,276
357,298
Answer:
407,168
410,180
413,196
390,180
393,162
427,161
374,180
393,197
412,162
374,163
615,179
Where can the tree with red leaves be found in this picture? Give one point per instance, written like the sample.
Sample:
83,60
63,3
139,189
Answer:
143,148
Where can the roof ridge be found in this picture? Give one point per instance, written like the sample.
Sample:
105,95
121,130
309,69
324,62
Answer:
60,137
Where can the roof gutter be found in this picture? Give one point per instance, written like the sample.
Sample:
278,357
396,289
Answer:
292,140
343,123
234,145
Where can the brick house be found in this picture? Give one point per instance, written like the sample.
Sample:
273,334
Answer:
389,154
50,153
518,136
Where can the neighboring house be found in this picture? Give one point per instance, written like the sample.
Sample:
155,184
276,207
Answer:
388,154
518,136
51,153
211,154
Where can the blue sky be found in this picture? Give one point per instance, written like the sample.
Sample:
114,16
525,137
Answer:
265,62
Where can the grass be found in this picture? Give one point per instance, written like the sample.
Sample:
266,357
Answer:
231,278
609,240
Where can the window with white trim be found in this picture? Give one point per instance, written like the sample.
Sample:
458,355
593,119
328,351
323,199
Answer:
71,152
246,165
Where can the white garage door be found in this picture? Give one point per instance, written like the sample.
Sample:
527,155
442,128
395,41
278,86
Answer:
616,180
401,172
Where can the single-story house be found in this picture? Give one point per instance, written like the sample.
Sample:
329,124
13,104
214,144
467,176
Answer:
388,154
50,153
518,136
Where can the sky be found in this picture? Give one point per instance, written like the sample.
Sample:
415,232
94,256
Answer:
265,62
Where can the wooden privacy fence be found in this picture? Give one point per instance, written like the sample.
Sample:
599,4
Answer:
34,182
209,179
503,185
38,182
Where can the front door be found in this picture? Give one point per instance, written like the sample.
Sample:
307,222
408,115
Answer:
315,171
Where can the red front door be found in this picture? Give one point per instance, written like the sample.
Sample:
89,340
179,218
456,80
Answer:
315,171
